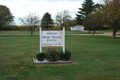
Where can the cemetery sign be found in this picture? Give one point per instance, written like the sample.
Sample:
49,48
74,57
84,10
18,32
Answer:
50,38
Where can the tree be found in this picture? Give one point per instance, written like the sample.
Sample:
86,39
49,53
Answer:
86,9
73,23
6,16
94,20
64,19
31,21
86,23
47,21
111,14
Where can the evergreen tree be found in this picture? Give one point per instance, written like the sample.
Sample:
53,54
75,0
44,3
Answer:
86,9
47,22
93,21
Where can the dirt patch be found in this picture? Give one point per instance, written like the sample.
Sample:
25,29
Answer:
21,67
73,63
110,34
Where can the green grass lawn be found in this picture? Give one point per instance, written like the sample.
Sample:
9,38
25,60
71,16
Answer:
82,32
19,32
28,32
94,58
37,32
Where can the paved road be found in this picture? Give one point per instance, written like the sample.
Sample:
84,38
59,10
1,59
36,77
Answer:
105,34
87,34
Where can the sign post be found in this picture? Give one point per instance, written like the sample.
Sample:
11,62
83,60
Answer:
63,39
50,38
40,39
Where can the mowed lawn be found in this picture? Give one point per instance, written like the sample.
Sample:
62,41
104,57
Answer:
94,58
37,32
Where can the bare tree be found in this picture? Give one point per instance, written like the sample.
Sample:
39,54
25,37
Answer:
31,21
63,18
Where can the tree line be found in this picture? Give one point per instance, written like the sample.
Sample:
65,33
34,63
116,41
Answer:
94,16
90,15
32,20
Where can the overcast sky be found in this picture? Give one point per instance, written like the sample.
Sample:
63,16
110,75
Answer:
21,8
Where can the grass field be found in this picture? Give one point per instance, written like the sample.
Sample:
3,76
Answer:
37,32
27,32
94,58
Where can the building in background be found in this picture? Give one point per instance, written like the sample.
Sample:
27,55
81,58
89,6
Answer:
78,27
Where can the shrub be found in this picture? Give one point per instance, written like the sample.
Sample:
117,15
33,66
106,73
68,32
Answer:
40,56
15,28
9,27
105,28
65,56
52,54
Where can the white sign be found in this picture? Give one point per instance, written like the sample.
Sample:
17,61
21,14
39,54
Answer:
52,38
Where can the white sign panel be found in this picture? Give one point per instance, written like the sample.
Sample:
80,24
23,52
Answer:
52,38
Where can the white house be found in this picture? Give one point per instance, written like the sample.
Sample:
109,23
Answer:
78,27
